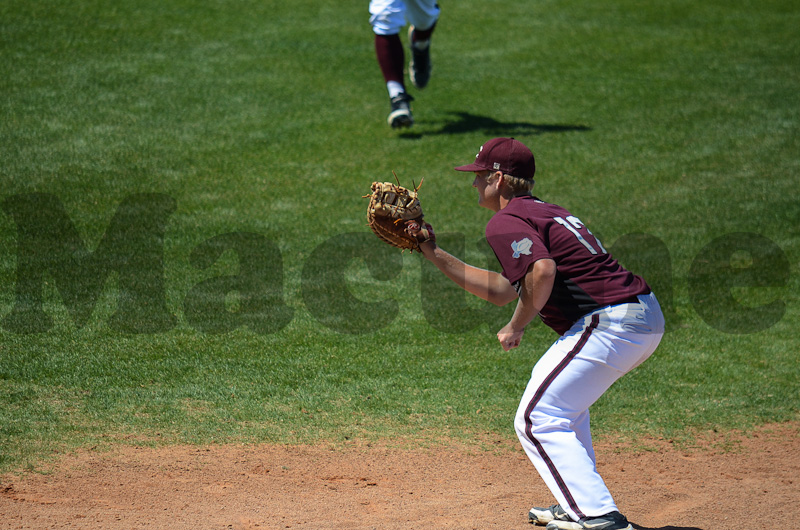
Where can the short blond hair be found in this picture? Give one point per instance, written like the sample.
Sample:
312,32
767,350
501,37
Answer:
515,184
519,185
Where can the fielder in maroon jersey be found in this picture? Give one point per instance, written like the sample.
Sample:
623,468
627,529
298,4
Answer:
607,319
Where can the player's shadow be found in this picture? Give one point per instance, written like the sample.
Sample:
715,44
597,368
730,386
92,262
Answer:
464,122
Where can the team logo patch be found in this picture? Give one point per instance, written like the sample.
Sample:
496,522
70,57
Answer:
521,248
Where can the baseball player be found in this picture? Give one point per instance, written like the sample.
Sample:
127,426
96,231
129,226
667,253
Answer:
388,17
607,320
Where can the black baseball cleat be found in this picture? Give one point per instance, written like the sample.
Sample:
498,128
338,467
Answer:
609,521
542,516
419,68
400,116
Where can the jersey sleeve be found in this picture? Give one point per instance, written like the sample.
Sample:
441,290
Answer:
516,243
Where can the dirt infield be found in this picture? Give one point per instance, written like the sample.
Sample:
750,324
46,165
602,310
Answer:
731,483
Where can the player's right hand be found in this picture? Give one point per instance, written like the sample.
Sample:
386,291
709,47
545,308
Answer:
509,338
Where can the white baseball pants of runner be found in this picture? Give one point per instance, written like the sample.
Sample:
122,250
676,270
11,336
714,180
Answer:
552,421
388,17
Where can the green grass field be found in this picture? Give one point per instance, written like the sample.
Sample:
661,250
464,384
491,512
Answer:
239,137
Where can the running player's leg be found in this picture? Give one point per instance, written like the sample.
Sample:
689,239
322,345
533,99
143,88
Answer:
387,18
423,15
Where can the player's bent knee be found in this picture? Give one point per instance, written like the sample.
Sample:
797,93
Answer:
530,423
526,425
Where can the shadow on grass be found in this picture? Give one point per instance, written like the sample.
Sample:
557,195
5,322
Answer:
464,122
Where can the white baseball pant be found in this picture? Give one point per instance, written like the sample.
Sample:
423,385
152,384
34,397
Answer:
552,421
388,17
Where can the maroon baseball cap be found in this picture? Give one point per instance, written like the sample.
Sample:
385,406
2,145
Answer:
508,155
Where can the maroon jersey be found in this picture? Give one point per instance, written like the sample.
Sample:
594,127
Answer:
587,277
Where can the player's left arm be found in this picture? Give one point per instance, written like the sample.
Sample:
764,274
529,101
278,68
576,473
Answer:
535,289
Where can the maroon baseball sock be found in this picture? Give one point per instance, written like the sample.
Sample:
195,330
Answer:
391,57
423,34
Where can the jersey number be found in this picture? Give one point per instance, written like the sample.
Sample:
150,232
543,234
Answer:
573,224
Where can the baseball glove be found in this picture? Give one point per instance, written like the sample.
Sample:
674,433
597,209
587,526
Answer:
393,211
